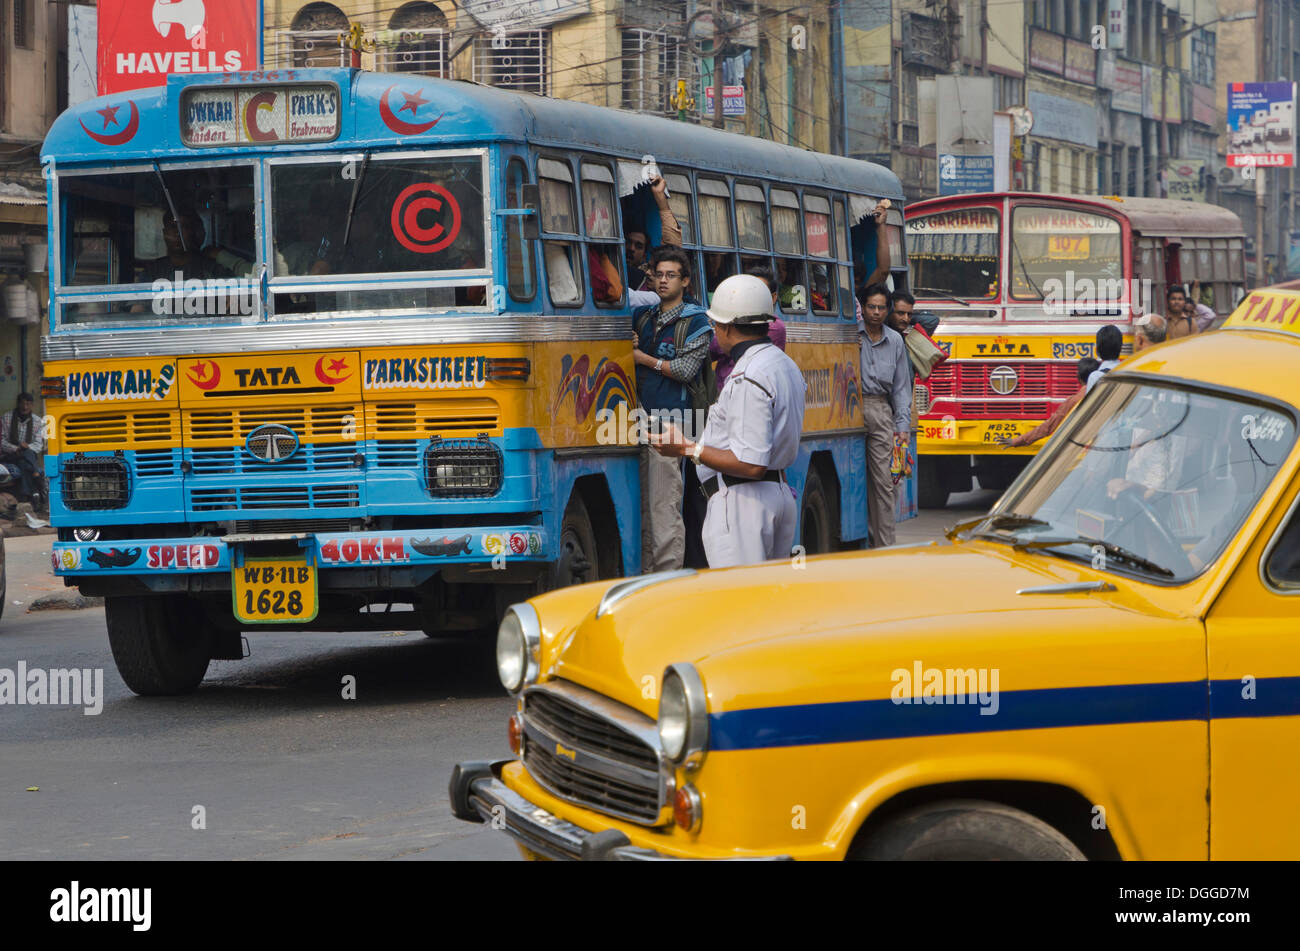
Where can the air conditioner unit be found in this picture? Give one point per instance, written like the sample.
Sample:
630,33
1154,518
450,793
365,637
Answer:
1232,177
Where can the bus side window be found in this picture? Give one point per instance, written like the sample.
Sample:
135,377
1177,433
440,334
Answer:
751,217
715,231
817,236
560,217
519,253
679,200
787,239
603,257
845,267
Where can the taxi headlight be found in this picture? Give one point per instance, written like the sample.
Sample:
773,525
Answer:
519,641
683,716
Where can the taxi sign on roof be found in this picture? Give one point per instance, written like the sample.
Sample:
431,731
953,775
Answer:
1267,309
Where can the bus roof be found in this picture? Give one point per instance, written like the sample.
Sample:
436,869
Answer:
385,108
1149,216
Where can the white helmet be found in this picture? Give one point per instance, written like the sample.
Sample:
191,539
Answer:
742,299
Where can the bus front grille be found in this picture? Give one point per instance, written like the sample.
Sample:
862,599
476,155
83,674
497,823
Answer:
253,498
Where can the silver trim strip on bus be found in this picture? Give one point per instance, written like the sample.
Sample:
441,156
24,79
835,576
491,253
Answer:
385,332
839,332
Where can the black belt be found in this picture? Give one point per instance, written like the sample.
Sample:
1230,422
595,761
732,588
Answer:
711,487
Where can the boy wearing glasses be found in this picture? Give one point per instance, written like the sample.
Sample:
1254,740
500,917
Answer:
668,360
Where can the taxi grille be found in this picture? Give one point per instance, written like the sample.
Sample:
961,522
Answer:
581,756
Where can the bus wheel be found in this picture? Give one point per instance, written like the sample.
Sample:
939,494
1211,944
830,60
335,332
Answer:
816,527
931,484
578,562
967,829
161,645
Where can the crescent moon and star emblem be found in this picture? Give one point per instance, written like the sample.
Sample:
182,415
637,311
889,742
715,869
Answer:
333,373
413,102
199,374
121,137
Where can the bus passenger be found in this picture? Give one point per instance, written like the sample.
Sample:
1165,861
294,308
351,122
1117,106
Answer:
664,371
638,242
886,376
1110,339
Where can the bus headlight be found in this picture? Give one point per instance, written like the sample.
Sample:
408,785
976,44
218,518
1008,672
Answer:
683,716
519,640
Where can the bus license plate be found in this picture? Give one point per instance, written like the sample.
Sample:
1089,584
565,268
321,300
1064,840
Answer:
275,591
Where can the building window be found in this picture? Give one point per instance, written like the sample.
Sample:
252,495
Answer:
519,61
24,24
416,41
1008,91
1203,57
653,61
314,38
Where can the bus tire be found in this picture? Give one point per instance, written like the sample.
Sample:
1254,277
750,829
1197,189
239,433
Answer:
160,644
579,560
931,484
817,525
966,830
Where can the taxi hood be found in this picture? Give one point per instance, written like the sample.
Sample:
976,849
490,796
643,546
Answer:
746,629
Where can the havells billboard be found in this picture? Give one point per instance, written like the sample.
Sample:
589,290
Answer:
141,41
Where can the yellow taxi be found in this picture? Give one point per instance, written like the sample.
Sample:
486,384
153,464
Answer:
1106,665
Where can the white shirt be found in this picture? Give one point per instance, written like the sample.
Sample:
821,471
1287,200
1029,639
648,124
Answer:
1097,374
759,413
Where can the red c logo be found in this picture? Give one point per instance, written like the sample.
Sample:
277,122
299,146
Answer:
406,214
198,374
263,100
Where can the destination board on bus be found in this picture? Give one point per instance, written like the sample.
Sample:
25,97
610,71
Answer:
1063,221
260,115
965,221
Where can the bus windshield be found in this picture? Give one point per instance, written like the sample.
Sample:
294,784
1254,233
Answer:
137,227
1049,243
955,253
374,215
379,218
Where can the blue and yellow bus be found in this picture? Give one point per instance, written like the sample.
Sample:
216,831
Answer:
331,350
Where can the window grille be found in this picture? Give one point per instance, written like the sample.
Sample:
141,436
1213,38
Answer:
519,61
653,61
295,49
416,51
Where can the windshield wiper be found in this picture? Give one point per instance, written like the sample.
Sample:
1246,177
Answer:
934,290
1111,549
356,190
1017,254
1002,520
167,192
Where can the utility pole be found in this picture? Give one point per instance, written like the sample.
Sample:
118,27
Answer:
717,65
1259,169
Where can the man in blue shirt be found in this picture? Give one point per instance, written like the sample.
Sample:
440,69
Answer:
663,373
886,407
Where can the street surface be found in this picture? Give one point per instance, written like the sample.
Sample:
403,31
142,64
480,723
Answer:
281,765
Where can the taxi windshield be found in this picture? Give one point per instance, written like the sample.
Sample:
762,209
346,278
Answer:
1149,479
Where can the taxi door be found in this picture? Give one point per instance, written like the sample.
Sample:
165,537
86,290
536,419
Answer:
1254,669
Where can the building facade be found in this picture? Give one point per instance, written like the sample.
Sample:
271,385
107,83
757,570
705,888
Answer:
33,70
607,52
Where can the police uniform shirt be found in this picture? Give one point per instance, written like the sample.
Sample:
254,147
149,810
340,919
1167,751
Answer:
759,413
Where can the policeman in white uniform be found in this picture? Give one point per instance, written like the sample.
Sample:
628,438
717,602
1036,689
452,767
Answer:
752,434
